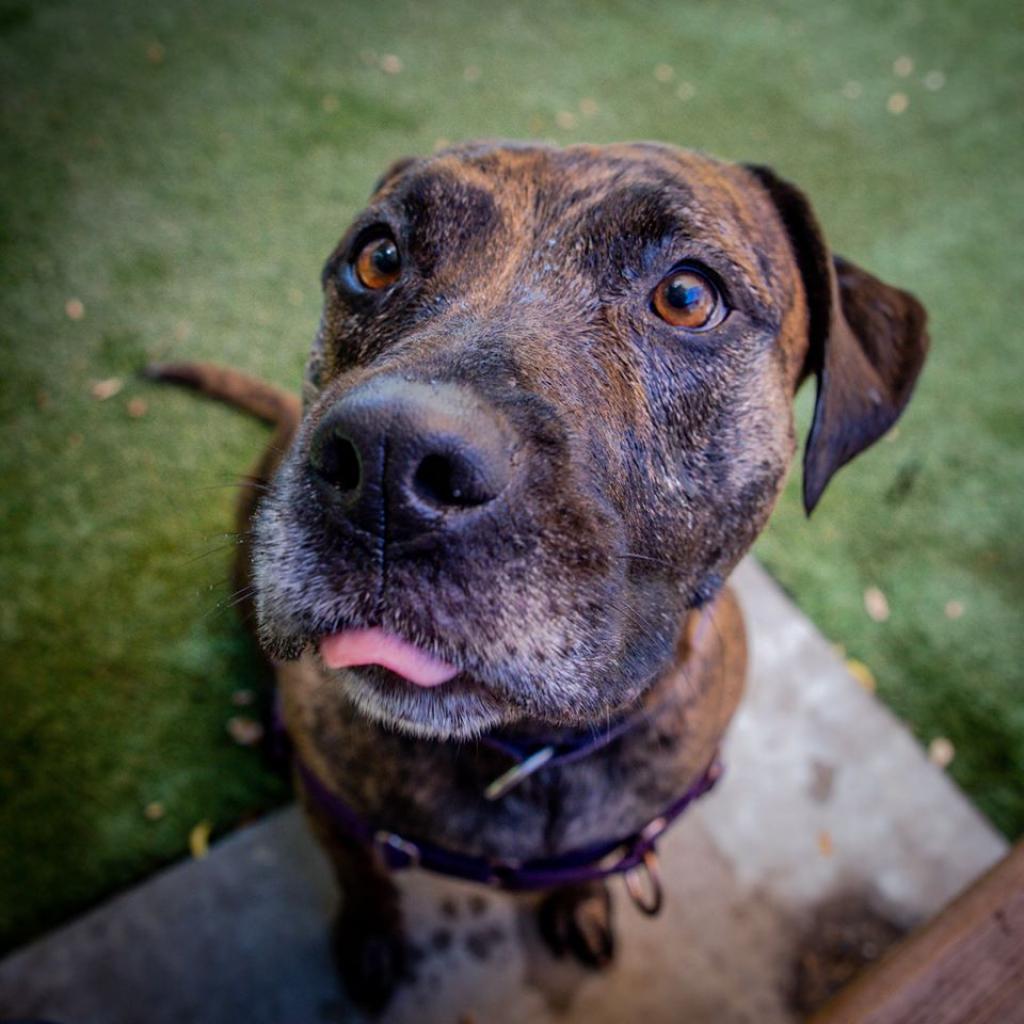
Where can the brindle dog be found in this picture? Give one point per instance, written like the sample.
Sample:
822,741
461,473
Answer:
548,409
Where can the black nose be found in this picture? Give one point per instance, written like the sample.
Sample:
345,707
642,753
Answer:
398,458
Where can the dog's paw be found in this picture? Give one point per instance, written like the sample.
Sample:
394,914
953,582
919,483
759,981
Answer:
578,920
371,961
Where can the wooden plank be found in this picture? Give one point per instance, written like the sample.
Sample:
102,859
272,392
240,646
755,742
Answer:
964,967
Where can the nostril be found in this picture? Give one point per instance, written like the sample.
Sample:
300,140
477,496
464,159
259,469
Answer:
449,481
337,462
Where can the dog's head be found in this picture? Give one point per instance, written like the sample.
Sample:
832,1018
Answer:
548,409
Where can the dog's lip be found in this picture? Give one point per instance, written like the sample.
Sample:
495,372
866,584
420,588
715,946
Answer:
374,646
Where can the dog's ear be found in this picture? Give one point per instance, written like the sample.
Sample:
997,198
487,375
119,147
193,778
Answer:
867,343
400,165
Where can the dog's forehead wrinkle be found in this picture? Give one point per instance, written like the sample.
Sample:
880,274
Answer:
638,204
634,227
627,200
438,189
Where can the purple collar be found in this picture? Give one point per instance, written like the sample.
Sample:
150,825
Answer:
632,853
632,856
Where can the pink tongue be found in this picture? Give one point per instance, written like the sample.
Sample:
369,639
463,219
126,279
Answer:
375,647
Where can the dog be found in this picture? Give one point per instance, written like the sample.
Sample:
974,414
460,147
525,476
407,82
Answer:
547,410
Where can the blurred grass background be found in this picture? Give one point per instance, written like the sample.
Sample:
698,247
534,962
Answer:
173,176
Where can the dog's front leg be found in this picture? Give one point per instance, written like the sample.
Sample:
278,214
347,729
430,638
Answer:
367,936
577,919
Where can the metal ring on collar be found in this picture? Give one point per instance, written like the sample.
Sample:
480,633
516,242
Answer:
649,901
383,839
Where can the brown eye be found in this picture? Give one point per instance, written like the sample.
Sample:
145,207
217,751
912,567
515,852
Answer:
687,298
378,264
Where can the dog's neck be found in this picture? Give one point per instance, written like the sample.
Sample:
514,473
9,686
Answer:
534,748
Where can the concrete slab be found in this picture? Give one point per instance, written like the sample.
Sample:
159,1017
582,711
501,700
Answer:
830,827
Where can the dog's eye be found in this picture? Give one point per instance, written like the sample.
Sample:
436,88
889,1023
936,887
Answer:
378,264
686,298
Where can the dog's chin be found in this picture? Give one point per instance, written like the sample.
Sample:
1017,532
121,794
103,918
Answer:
460,709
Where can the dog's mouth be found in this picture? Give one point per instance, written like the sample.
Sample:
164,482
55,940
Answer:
438,684
406,686
351,648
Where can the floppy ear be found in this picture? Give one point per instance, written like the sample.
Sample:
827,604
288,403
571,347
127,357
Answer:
867,343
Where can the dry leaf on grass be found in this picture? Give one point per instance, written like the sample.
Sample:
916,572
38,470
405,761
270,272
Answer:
199,839
897,103
101,390
137,408
941,751
246,732
862,674
876,604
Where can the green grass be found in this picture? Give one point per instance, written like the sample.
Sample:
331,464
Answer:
182,169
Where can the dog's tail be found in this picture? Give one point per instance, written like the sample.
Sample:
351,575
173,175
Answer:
271,404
